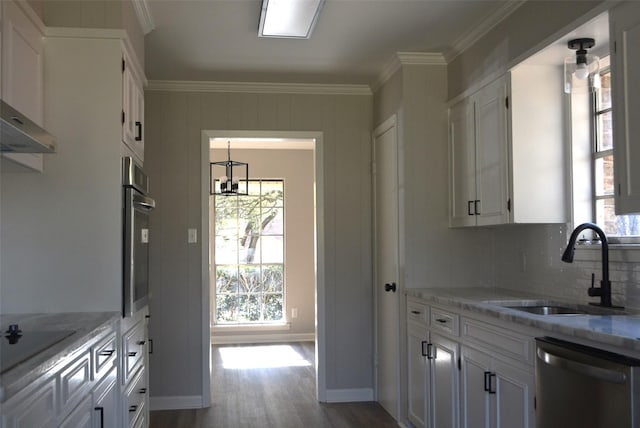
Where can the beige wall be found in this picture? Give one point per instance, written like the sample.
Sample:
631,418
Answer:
296,168
93,14
525,29
175,121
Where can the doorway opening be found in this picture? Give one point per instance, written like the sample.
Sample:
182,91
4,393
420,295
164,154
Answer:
263,279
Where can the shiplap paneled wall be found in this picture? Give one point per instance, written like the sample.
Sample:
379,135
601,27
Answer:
174,121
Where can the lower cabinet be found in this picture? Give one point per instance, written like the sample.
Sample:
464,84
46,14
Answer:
134,369
481,377
495,393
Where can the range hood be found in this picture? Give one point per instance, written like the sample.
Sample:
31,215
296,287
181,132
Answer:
18,134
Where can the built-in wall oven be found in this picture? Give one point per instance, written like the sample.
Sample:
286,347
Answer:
136,208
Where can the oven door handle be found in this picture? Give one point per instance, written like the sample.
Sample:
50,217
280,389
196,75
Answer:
143,202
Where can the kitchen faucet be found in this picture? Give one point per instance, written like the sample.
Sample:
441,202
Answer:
604,291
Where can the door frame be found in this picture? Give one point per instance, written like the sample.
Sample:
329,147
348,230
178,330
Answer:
385,126
318,155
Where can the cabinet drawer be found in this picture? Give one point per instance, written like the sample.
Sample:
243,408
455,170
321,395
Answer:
75,381
136,398
502,341
133,342
104,354
417,312
445,321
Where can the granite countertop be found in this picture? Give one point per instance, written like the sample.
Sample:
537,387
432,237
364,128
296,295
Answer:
85,326
621,329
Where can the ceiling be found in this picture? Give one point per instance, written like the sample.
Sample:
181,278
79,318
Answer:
353,41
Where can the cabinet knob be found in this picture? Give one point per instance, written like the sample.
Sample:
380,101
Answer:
390,287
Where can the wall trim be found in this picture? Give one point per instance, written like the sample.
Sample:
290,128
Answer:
349,395
257,87
176,403
262,338
143,13
467,39
407,58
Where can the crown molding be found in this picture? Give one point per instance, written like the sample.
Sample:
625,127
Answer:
467,39
257,87
407,58
143,12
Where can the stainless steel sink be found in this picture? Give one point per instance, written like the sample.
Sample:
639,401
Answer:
549,310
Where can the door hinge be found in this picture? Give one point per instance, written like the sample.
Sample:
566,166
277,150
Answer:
615,47
123,65
535,403
123,117
506,102
459,364
509,204
619,189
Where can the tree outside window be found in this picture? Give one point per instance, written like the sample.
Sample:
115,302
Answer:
249,255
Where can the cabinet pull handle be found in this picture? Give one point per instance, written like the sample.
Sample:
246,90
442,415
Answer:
132,354
133,408
476,203
139,133
442,320
107,353
431,352
415,312
469,203
488,385
142,390
424,351
101,410
150,346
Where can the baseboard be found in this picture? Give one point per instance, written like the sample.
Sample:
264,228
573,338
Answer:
349,395
262,338
175,403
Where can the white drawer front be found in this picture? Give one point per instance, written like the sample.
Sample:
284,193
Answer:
417,312
75,380
502,341
445,321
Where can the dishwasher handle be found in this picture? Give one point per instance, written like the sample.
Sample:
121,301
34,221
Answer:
607,375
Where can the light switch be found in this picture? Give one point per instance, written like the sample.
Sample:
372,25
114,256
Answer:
193,236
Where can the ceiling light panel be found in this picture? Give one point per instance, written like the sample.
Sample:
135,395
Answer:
289,18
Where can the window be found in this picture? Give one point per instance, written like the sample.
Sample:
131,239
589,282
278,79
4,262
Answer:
249,255
621,228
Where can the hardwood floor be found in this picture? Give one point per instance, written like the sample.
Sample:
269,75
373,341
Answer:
264,395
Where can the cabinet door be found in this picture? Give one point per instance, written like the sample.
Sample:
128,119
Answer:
81,417
515,391
444,383
417,339
462,168
491,154
625,69
105,401
476,402
132,110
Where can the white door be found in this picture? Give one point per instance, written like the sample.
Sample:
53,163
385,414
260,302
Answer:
387,294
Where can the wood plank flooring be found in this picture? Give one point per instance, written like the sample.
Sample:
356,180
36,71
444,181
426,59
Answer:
270,397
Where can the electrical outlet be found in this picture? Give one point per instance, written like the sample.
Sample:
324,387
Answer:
294,312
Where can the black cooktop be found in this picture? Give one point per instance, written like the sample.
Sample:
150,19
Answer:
18,346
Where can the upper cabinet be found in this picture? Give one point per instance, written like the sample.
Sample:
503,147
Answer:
22,73
625,67
506,154
132,106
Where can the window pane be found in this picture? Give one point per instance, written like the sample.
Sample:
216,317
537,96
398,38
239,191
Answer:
272,249
226,221
254,188
226,308
226,279
604,176
249,279
604,132
272,307
250,251
226,250
273,278
272,193
273,222
604,94
613,225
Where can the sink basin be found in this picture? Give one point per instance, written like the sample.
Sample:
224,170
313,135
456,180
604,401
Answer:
548,310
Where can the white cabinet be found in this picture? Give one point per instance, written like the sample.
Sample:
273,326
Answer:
22,74
132,107
506,152
135,363
495,394
478,158
625,68
417,404
444,377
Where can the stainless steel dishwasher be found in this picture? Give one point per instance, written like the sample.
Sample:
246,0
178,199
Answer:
582,387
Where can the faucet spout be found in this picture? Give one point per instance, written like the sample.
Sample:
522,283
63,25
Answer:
604,291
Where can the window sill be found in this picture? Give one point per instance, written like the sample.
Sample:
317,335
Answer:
251,327
625,253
